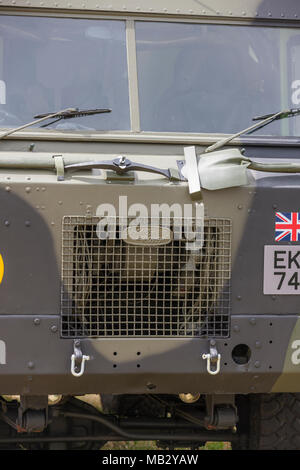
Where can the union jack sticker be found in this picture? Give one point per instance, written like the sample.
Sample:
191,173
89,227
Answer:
287,226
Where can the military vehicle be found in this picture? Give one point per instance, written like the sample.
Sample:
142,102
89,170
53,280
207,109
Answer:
149,222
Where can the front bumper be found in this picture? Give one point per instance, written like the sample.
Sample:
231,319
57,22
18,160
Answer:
36,360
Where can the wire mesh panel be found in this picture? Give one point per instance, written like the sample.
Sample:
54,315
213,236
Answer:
163,287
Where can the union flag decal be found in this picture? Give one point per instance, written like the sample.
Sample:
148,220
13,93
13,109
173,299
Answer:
287,226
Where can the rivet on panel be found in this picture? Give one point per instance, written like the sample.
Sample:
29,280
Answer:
236,328
27,223
53,328
27,189
257,364
7,223
150,386
60,203
8,189
240,206
257,344
37,321
30,365
239,297
252,321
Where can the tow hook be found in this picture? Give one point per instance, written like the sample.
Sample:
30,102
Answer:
213,359
78,360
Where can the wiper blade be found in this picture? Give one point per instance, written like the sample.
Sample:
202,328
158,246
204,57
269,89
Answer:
73,113
62,114
264,121
282,114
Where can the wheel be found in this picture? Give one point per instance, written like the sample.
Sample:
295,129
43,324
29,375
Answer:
269,422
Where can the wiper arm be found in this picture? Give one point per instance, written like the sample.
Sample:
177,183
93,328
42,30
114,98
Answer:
12,131
264,121
62,114
72,113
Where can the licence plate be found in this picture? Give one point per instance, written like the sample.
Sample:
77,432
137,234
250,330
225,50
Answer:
282,269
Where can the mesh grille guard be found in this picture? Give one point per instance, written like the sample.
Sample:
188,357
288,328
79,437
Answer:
112,288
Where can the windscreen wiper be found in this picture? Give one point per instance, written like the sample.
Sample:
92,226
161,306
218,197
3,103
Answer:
62,114
72,113
264,121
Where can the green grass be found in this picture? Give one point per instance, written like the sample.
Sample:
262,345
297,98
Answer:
151,445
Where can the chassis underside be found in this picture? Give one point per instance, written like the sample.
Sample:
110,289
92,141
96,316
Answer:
74,424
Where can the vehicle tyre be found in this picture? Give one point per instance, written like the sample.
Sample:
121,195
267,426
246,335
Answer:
270,422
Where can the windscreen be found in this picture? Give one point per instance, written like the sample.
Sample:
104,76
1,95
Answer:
49,64
212,78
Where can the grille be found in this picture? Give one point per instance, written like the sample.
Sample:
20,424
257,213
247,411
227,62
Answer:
113,288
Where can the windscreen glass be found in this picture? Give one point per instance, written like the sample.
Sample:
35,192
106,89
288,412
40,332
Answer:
215,78
49,64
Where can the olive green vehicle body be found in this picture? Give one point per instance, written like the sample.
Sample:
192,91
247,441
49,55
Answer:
33,203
